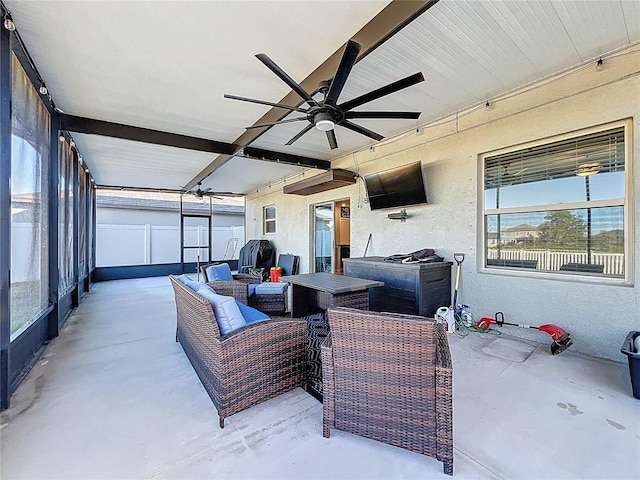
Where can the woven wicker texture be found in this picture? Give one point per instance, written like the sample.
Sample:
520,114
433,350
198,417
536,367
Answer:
317,332
238,288
326,300
245,367
231,288
269,303
388,377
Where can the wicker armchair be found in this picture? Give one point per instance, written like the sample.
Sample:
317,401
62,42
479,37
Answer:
238,288
245,367
388,377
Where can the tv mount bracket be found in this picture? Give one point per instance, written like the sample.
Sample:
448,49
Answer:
402,215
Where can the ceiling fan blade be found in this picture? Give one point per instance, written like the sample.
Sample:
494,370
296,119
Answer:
347,61
360,130
331,136
382,91
271,65
288,120
262,102
300,134
400,115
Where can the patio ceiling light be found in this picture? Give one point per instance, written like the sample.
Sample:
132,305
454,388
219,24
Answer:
43,89
8,23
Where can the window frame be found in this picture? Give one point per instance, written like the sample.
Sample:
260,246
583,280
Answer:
266,221
626,202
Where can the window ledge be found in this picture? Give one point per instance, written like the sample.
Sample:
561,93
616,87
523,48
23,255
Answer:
562,277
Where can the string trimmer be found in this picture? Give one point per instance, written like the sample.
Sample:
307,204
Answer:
561,338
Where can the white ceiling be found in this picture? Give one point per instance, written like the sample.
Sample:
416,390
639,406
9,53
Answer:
469,52
166,66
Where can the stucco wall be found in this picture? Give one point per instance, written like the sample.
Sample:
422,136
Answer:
598,315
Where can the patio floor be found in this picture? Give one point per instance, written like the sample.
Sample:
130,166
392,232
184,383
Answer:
115,397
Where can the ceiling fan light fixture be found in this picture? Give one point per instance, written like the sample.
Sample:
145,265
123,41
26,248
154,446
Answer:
8,23
324,121
325,125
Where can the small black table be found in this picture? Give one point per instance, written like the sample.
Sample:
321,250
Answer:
313,294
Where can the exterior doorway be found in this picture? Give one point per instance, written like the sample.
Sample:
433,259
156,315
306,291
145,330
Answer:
342,219
332,236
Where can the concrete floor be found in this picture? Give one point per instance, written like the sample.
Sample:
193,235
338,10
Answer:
114,397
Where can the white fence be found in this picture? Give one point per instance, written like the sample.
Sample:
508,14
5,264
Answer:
548,260
118,245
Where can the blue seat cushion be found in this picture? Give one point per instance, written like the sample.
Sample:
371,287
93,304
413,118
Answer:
252,288
228,315
271,288
220,271
251,315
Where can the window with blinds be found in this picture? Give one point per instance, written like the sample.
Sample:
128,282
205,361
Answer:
559,206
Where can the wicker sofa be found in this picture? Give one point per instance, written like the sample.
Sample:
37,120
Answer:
246,366
388,377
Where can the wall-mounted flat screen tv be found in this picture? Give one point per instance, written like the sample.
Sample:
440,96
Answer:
396,187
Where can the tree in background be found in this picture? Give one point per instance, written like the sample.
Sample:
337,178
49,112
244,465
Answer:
562,230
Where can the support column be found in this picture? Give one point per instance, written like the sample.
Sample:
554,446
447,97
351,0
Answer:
147,243
75,296
5,213
54,200
87,228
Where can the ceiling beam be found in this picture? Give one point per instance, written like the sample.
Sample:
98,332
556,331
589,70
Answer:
394,17
287,158
138,134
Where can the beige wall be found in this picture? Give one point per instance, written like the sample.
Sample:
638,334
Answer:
598,315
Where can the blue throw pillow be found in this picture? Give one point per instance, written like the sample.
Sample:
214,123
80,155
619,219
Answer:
195,284
219,272
225,309
192,284
252,288
251,315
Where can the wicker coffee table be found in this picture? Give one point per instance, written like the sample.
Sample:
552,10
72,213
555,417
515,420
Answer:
312,294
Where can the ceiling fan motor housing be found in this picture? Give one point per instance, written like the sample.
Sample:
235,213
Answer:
325,117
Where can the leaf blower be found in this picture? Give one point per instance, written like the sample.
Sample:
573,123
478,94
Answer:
561,338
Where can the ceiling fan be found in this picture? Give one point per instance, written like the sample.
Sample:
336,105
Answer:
199,193
325,114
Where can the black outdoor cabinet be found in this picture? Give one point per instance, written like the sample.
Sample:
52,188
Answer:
412,288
